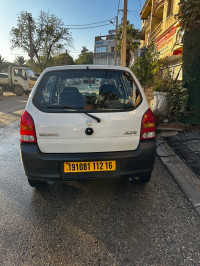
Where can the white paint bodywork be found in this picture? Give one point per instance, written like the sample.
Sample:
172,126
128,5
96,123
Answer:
67,130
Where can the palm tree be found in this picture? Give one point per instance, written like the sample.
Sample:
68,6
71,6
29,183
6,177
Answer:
3,64
132,40
20,61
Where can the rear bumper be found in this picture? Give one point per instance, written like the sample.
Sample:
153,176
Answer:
45,166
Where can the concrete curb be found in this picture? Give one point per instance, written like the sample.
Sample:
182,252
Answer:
185,178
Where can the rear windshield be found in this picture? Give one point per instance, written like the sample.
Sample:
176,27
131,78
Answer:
82,90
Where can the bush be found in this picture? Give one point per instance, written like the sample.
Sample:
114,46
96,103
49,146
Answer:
144,66
177,100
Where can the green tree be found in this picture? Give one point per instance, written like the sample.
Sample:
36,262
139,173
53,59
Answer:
132,41
48,36
189,13
20,61
58,60
63,59
189,16
145,66
3,64
85,57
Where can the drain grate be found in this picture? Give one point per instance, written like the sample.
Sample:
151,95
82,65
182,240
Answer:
189,153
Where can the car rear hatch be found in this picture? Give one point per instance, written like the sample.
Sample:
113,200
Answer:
63,103
67,132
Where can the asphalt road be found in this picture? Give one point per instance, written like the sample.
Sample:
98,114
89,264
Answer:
11,108
101,222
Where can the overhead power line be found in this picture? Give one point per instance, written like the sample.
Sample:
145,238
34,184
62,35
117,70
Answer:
89,27
132,11
90,23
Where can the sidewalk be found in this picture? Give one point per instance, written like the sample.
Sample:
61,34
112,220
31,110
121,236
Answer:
180,152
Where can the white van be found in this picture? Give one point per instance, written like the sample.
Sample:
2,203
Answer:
89,129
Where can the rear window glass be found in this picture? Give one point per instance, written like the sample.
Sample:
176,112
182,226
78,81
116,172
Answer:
93,90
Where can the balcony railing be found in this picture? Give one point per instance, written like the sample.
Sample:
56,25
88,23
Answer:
156,32
146,24
158,3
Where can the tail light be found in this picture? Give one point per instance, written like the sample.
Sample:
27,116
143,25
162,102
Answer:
27,128
148,126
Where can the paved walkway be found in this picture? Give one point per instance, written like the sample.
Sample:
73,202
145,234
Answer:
187,147
181,155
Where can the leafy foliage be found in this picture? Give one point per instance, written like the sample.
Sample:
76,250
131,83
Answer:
20,61
132,41
144,67
58,60
177,100
48,34
3,64
152,72
85,57
62,59
189,14
191,72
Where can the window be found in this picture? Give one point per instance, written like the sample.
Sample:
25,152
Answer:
101,49
105,90
20,73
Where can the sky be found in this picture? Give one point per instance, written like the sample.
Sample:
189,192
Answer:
72,12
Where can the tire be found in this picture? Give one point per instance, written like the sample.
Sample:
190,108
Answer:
36,183
18,90
140,180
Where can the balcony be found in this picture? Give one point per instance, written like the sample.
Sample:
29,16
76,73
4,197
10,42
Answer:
145,28
159,8
146,10
156,33
159,3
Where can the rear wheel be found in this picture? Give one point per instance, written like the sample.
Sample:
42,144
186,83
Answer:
36,183
140,180
18,90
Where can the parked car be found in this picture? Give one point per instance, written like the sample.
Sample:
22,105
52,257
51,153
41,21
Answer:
67,135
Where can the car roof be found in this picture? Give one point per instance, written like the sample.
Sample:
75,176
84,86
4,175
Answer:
86,67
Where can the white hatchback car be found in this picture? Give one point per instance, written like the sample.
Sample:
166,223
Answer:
88,130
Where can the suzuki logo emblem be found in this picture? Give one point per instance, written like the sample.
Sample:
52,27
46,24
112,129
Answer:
88,122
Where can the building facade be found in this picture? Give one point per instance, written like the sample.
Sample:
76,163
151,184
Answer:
104,48
160,26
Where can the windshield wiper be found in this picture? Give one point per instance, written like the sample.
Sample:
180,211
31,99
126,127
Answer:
74,108
94,117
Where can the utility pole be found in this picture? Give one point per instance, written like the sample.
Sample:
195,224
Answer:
116,29
124,35
31,54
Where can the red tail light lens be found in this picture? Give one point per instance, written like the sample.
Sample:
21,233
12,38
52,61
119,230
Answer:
148,126
27,128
